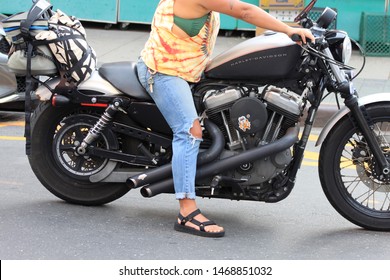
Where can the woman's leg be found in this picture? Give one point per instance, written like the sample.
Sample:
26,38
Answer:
173,96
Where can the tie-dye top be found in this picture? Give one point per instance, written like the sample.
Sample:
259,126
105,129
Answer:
166,53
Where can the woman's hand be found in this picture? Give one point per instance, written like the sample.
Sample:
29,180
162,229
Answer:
304,33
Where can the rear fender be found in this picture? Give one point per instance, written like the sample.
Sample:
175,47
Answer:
367,100
94,83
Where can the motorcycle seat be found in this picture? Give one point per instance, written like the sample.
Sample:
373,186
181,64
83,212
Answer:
124,77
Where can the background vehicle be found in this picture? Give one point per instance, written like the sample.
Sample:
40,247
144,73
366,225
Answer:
12,87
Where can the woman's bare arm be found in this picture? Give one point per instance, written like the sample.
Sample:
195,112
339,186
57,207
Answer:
253,15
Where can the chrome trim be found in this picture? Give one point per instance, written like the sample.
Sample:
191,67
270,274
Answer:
10,98
347,50
3,59
8,83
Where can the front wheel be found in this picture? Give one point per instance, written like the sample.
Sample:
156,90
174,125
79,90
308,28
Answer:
350,175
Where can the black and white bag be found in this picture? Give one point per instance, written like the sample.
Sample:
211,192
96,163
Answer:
58,44
66,39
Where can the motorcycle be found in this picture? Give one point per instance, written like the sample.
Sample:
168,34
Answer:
12,87
93,143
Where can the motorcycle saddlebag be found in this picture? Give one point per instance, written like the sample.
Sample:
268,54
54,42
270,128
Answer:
67,40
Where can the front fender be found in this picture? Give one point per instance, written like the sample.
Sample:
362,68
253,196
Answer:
369,99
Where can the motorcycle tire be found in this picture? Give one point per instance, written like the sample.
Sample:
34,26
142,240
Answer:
64,173
349,174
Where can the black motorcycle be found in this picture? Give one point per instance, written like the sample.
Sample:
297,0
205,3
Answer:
93,143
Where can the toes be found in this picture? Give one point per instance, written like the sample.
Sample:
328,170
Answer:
214,229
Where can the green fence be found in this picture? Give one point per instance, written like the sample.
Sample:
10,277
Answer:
375,34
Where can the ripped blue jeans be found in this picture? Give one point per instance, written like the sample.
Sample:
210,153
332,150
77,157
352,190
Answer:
173,97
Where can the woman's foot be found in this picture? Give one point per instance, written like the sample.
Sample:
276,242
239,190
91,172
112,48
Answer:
201,219
191,224
191,220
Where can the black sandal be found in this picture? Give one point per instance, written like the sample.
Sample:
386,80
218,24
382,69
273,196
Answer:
201,232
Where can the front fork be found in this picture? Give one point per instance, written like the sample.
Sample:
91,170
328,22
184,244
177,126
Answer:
362,122
344,86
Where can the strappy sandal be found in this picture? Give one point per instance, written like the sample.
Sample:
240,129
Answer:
201,231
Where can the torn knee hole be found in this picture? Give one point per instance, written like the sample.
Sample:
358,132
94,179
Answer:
196,130
196,136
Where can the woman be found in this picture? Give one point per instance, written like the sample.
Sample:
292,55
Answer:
180,44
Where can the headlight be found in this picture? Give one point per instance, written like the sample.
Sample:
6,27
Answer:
347,50
340,45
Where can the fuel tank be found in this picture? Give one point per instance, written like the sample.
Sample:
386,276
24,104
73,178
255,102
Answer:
269,56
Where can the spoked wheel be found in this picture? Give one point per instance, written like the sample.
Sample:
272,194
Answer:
60,167
68,137
350,175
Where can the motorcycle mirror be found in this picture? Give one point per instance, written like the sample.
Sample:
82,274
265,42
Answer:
326,18
305,11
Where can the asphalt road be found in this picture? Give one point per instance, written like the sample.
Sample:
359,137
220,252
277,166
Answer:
36,225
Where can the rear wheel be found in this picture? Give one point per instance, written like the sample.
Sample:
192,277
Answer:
350,175
56,132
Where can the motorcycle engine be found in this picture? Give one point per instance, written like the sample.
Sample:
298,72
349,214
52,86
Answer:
252,119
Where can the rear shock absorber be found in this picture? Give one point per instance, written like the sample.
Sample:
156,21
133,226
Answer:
101,124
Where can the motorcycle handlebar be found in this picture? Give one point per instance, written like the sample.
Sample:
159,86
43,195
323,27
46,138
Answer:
296,38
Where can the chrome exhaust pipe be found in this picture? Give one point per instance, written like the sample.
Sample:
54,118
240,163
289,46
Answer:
219,166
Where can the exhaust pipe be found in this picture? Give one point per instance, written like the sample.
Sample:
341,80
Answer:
217,167
165,171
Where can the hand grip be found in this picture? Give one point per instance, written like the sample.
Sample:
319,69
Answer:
296,38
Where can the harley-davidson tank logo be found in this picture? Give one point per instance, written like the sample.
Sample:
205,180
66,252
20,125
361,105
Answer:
256,58
244,124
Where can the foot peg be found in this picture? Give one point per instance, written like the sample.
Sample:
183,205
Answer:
233,182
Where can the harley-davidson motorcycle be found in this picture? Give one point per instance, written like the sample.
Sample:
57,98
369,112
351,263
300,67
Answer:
91,144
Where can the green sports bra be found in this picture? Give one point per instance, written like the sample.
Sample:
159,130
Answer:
190,26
